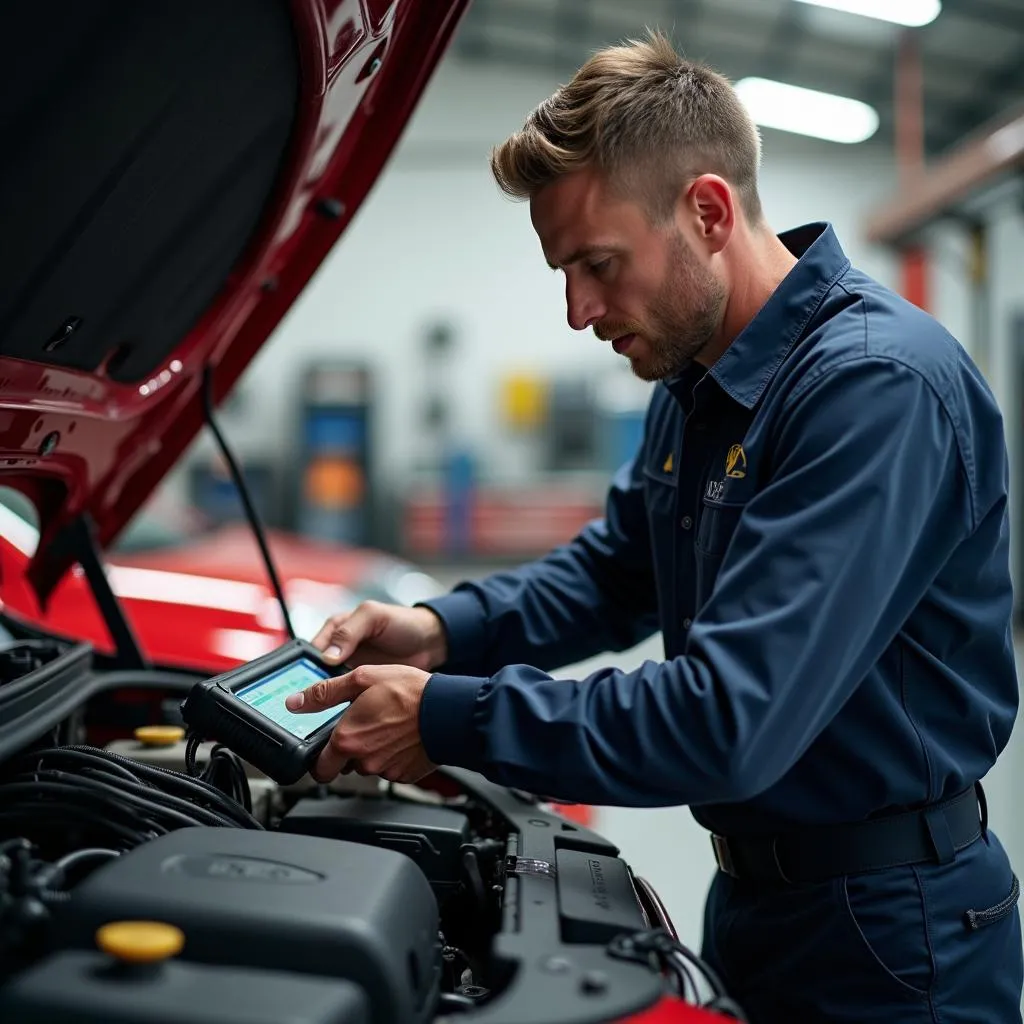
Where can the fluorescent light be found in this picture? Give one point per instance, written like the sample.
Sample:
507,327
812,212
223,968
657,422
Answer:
912,13
806,112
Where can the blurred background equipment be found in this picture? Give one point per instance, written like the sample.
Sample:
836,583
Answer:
334,461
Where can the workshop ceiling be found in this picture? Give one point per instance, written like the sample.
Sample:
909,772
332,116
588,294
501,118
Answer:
973,53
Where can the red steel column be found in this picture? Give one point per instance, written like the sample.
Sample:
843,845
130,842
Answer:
910,162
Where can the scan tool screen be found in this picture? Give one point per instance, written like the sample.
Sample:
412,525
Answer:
268,695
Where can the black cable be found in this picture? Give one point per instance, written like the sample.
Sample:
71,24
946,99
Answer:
81,757
225,772
164,778
655,908
657,946
243,493
102,797
145,679
192,744
147,795
685,980
80,857
35,811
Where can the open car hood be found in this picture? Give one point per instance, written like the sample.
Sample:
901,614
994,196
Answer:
172,175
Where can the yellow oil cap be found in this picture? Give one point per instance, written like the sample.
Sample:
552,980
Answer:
140,942
159,735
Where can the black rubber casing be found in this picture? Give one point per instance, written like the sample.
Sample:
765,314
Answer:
214,712
282,902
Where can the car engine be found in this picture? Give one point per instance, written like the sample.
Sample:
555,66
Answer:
131,890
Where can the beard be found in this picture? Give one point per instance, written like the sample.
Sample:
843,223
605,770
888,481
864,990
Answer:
683,318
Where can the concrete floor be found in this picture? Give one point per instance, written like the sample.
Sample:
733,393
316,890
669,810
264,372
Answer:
669,849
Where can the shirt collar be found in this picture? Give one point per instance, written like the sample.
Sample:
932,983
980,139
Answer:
747,366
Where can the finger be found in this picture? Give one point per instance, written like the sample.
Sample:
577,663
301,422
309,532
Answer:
343,633
328,693
324,640
336,757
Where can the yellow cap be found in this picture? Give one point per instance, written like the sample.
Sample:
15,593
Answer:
159,735
140,942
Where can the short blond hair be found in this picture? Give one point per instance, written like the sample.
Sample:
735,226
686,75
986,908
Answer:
647,119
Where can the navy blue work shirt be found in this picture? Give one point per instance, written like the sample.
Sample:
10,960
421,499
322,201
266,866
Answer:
818,525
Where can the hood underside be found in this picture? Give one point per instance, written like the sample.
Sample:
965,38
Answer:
172,174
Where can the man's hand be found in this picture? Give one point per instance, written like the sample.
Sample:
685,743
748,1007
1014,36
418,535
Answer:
380,733
384,634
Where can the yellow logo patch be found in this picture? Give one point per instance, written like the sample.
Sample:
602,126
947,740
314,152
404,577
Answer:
736,462
668,464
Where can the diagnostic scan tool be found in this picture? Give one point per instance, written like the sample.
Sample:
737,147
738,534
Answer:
244,710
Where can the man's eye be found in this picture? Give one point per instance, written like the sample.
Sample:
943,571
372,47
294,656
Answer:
600,266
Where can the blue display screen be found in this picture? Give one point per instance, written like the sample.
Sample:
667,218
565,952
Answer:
267,695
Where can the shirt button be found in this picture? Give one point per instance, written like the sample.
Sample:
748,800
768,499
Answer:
687,623
687,522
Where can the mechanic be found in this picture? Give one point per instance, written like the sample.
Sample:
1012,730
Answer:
816,521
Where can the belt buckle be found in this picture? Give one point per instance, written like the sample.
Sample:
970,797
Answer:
723,855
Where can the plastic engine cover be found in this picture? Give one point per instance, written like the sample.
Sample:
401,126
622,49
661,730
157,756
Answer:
87,988
431,836
283,902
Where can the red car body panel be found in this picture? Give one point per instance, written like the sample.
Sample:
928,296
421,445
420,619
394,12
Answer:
204,605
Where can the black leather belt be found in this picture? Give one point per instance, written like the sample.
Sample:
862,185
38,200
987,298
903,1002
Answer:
934,833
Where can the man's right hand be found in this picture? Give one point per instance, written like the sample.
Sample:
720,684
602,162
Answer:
384,634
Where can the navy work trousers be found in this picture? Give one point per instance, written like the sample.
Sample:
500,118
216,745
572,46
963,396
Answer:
893,945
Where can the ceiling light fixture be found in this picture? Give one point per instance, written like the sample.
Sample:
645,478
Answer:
806,112
911,13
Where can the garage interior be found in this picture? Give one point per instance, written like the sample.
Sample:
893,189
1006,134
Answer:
425,397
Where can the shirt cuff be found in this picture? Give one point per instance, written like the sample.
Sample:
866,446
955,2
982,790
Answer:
465,626
446,721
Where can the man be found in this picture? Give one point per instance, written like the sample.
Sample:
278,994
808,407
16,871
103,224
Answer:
816,521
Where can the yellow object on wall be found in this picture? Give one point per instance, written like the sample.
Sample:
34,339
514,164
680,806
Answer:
524,401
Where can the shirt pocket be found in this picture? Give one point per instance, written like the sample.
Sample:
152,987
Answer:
718,521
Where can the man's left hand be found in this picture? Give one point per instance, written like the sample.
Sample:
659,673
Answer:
380,733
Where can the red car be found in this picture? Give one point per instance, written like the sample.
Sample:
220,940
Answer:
173,174
200,599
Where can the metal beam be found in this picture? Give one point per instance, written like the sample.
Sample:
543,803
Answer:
973,166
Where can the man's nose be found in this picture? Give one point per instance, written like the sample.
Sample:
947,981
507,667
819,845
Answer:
583,307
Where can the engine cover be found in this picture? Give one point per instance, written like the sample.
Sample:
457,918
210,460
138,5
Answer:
282,902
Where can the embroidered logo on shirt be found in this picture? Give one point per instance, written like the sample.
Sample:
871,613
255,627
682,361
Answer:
736,462
668,464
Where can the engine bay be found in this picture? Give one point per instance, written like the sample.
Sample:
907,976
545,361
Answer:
368,901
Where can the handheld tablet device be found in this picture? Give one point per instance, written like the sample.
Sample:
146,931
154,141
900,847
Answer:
244,709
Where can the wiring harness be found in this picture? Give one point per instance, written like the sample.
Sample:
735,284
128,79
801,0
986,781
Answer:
224,770
665,952
116,802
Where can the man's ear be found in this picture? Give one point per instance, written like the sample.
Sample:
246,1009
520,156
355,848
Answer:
709,208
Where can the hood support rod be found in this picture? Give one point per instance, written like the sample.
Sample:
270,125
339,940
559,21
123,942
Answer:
83,538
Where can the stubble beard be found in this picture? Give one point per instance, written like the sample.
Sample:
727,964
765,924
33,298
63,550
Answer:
683,319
